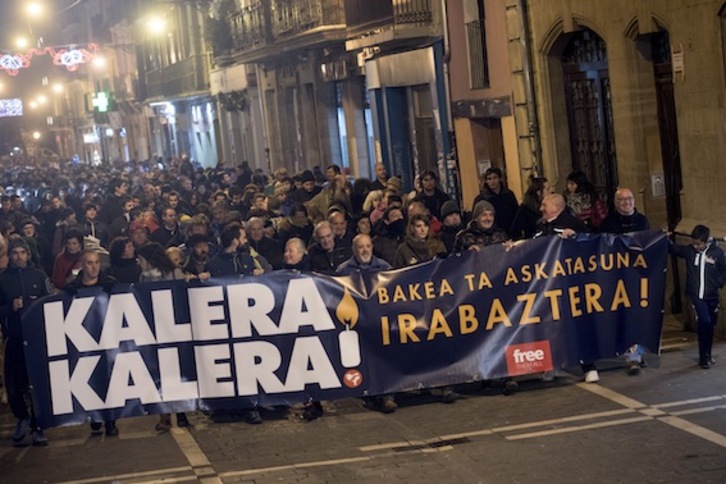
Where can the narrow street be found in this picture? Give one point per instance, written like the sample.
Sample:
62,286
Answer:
666,425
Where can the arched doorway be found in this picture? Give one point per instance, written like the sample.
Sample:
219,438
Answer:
589,110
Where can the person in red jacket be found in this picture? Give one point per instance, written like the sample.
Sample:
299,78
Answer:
68,263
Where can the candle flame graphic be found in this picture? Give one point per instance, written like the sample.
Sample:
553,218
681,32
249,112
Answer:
347,310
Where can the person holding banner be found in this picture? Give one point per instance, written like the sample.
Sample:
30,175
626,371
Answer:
557,220
90,276
625,218
705,276
156,265
20,285
364,260
481,231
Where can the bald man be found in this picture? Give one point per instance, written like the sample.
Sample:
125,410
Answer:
556,219
625,218
363,258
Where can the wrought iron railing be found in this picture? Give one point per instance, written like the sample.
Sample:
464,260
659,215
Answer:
417,12
250,27
363,16
255,26
292,17
184,77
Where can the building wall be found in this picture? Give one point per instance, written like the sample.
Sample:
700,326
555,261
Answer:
694,27
481,138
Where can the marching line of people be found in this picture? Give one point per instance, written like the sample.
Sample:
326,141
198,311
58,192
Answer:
138,222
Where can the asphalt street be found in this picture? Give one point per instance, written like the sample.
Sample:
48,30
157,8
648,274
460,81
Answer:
666,425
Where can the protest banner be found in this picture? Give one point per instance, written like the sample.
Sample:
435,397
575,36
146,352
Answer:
287,337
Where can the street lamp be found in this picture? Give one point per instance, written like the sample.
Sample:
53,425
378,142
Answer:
36,135
57,88
156,25
21,42
34,9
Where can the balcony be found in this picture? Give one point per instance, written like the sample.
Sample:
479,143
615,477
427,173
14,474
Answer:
290,17
373,22
269,28
250,29
185,78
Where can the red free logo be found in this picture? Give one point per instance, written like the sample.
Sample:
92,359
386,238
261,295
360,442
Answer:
352,378
528,358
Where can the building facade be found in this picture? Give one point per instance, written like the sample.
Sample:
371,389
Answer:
632,93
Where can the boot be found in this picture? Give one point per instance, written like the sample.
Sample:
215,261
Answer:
164,423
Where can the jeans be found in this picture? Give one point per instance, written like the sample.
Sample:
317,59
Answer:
707,317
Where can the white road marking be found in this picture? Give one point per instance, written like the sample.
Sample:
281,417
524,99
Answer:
696,430
555,421
133,475
577,428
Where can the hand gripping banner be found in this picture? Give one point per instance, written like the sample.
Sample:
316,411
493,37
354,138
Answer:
286,337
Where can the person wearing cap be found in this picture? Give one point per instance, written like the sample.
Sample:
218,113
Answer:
431,195
492,190
705,276
21,284
451,218
42,254
308,189
481,231
199,254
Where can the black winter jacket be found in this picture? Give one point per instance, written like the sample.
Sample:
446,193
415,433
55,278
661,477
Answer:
27,282
705,270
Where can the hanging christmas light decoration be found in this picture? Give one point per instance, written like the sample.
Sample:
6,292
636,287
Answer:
73,57
70,58
12,63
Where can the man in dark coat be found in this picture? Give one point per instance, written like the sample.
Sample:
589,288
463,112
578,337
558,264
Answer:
431,195
325,255
556,220
91,276
20,285
625,218
501,198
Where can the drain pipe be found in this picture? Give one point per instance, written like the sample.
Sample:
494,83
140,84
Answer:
528,73
447,92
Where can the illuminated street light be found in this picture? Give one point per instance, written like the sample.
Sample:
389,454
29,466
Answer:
33,105
36,135
156,25
99,62
34,9
42,99
21,42
57,88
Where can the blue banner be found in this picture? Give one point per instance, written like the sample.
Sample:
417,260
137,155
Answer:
286,337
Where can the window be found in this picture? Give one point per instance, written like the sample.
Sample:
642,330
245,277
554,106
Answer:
476,40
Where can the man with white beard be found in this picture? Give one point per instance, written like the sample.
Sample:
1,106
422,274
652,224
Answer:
363,258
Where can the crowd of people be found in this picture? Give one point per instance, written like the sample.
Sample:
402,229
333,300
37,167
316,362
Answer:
69,226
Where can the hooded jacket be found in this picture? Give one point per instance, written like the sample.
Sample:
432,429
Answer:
705,270
27,282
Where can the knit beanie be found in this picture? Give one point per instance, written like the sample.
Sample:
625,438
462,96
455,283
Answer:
482,206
